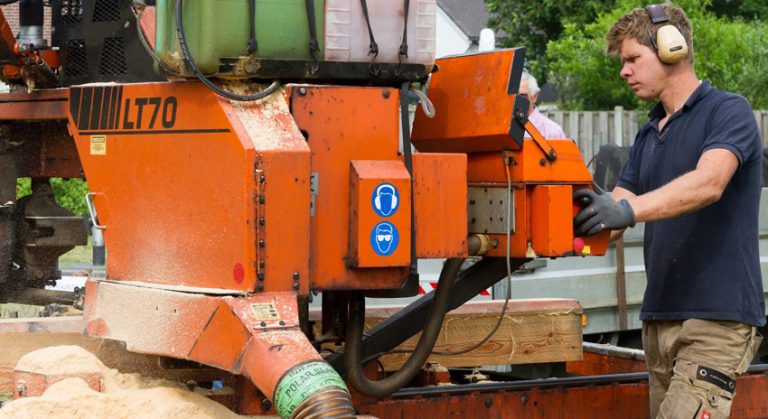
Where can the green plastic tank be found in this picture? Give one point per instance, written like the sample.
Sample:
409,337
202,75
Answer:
216,29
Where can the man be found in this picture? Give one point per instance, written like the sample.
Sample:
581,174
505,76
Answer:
694,177
547,127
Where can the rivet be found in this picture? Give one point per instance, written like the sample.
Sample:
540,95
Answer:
261,243
282,323
261,221
296,276
260,276
260,287
296,285
302,91
263,324
386,94
261,200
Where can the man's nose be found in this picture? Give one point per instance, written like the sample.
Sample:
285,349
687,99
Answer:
625,72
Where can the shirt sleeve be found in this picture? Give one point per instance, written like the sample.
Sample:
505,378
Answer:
733,127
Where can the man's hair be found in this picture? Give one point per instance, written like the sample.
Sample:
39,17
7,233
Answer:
637,25
533,85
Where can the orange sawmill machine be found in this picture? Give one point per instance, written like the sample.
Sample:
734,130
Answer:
230,194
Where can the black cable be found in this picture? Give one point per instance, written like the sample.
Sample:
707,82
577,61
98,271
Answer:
205,80
314,46
253,45
404,44
373,47
405,121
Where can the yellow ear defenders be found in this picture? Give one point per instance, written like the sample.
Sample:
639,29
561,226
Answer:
669,41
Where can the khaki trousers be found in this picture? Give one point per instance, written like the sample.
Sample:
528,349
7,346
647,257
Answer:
693,365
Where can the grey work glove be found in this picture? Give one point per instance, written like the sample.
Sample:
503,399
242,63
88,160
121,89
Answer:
601,213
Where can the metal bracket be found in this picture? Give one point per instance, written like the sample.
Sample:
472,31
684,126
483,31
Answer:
544,145
92,211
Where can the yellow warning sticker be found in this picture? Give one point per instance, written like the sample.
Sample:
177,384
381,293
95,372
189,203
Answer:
587,250
98,145
265,311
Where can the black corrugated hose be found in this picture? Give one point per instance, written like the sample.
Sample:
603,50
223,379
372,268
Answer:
396,381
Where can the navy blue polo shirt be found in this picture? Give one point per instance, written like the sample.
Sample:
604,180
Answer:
705,264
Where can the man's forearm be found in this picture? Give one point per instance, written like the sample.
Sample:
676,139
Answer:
688,193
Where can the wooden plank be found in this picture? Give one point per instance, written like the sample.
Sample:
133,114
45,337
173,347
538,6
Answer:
533,331
601,132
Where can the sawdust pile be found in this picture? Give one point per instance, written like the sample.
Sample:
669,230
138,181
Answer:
124,395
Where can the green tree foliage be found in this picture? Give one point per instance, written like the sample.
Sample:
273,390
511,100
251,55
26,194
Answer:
730,53
747,9
69,193
533,23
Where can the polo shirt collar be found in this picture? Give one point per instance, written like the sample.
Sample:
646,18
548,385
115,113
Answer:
658,110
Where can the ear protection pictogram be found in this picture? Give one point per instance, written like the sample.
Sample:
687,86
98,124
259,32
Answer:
669,41
392,192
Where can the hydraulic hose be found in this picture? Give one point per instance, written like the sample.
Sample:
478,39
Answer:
396,381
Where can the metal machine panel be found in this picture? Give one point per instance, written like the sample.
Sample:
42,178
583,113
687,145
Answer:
551,232
439,202
343,124
475,99
380,214
173,180
490,210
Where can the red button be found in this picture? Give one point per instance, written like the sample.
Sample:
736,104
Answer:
578,245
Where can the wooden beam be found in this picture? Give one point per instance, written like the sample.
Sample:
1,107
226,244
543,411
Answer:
533,331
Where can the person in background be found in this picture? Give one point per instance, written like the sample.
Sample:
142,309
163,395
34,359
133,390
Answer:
694,177
547,127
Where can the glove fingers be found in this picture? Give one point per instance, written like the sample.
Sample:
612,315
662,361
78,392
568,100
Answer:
594,230
589,227
584,215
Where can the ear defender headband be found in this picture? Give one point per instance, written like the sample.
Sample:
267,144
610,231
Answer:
669,41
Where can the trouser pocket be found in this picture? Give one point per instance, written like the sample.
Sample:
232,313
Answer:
698,391
752,346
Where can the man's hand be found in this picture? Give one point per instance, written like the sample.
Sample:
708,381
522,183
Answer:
601,213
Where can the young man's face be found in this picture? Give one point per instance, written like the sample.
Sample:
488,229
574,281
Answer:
642,69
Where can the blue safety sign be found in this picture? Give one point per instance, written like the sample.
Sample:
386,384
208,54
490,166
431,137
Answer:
384,238
385,200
